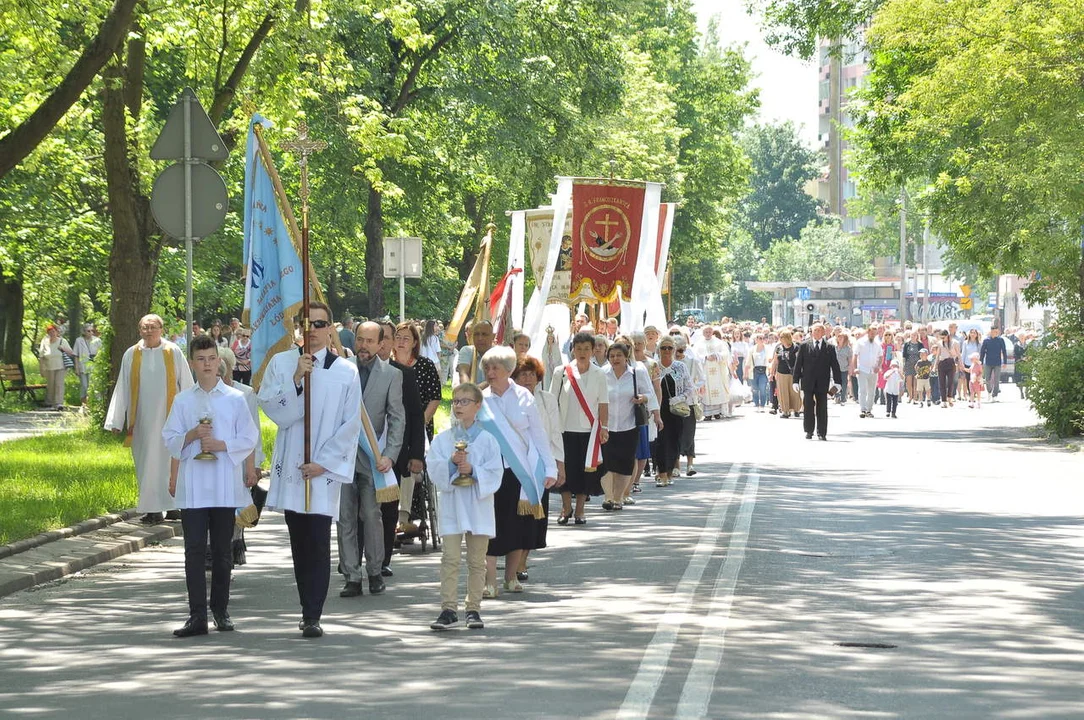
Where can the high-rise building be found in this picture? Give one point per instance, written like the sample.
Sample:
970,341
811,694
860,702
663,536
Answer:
840,72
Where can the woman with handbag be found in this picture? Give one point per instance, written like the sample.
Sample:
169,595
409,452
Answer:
627,390
674,408
786,354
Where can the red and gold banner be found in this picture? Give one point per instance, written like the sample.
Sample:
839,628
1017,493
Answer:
606,217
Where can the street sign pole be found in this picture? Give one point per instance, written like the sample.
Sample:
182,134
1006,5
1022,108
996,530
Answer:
189,295
402,279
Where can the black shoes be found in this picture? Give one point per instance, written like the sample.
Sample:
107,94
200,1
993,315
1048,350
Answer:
310,628
194,626
152,518
446,620
173,515
376,585
562,519
474,620
521,576
607,505
351,589
223,623
580,521
822,437
809,436
386,571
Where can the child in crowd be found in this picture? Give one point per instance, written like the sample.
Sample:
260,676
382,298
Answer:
466,480
210,432
975,399
923,368
893,384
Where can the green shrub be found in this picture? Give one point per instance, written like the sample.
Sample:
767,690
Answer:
1056,386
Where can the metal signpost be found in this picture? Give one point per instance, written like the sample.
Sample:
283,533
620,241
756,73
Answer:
402,259
189,200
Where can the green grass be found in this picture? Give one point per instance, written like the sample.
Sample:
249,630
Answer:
62,478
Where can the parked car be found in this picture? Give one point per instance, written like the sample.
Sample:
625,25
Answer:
682,316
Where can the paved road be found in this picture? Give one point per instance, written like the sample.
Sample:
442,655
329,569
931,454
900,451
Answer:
948,534
32,423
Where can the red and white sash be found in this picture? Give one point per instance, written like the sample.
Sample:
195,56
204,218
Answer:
594,447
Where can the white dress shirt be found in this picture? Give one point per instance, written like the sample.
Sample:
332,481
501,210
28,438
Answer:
868,353
218,482
622,416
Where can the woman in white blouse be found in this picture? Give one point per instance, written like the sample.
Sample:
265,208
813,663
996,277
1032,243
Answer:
515,533
627,387
529,375
583,402
51,354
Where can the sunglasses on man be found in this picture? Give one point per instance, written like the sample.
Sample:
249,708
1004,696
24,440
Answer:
319,324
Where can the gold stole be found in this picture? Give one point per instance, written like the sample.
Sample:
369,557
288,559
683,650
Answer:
133,387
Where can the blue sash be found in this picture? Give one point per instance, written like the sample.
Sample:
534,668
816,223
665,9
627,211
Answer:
530,471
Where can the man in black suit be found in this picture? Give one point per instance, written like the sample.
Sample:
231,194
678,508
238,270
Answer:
816,371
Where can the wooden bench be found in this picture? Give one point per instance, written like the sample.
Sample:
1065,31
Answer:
12,379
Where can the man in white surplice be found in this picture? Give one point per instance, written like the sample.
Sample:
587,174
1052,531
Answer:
152,372
336,425
715,355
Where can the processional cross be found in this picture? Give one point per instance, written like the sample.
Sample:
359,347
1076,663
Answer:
303,146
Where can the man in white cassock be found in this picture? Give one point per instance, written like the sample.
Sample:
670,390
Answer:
715,356
336,425
152,373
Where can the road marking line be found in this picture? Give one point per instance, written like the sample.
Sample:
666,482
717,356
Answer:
645,685
696,695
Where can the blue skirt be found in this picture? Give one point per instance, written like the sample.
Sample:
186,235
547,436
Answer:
643,447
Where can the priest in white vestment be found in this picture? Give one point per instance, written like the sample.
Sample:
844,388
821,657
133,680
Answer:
336,426
140,404
715,356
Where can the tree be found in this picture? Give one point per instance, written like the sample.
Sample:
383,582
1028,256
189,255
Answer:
21,140
777,205
983,98
797,26
822,252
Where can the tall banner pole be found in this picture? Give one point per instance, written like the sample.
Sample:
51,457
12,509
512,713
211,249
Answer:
303,146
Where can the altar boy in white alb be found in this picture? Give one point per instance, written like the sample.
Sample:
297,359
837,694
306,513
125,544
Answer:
210,432
465,510
336,425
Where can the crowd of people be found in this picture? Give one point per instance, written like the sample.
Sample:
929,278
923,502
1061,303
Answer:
592,418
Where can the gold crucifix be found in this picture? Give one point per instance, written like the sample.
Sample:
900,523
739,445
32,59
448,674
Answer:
303,146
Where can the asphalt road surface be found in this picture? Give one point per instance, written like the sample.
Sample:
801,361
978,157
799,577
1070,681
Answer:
925,567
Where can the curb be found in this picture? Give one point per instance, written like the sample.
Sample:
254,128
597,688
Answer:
57,569
53,535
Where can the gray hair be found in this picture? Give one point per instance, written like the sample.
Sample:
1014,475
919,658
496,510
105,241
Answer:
680,343
500,355
637,336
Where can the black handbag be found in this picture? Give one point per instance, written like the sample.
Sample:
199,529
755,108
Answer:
639,411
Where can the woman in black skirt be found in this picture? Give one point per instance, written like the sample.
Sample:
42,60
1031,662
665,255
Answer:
627,389
528,375
516,527
675,388
583,406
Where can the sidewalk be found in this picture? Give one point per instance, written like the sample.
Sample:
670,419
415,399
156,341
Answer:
59,553
33,423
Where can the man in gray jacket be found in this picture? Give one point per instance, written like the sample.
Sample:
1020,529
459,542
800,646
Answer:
360,529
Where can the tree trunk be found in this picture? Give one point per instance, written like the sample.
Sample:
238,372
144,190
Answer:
11,317
75,314
133,258
374,252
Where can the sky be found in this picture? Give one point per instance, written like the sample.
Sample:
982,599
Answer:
788,87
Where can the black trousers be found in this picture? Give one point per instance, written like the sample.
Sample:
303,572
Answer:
816,411
389,515
310,545
196,523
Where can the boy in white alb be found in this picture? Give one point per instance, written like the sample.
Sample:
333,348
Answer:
208,486
465,510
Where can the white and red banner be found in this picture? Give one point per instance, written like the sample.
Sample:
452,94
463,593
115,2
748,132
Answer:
606,225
